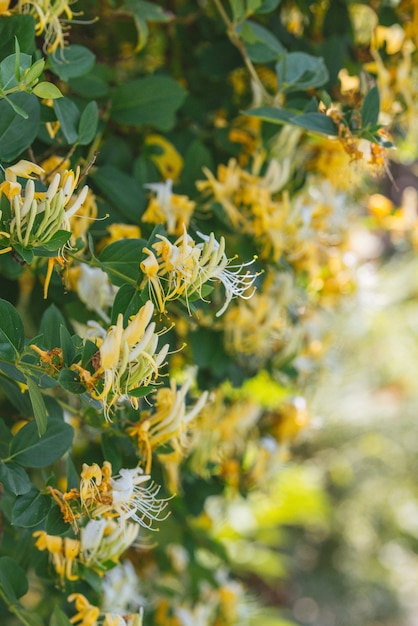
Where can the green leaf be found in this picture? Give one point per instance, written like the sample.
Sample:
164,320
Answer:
47,91
143,12
31,509
127,301
21,27
14,64
141,392
122,191
14,478
68,116
57,241
17,134
55,525
34,72
272,114
371,107
151,100
299,71
58,618
50,326
70,381
38,405
27,254
261,45
27,448
11,326
72,62
67,345
316,122
267,6
12,579
87,127
120,260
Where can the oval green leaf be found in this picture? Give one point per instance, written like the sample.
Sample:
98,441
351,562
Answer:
27,448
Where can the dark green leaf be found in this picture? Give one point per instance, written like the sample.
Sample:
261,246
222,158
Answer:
88,123
151,100
12,579
58,618
26,254
68,116
11,326
298,71
14,478
141,392
57,241
55,524
272,114
21,27
73,61
127,301
261,45
70,381
121,259
316,122
50,326
31,509
27,448
370,108
67,346
10,66
267,6
17,134
122,191
38,405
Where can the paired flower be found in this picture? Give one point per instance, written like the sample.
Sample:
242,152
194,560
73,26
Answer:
180,269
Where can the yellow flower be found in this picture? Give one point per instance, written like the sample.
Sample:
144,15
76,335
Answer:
168,208
169,423
63,553
36,217
181,269
168,161
87,614
51,19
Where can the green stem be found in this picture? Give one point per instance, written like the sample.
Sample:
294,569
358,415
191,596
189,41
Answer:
236,41
15,610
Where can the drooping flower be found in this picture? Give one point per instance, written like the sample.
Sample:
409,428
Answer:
52,18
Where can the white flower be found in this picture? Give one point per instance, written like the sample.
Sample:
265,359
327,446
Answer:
133,501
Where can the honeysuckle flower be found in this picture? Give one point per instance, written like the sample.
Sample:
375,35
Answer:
63,553
87,614
121,589
52,19
103,540
129,359
169,422
180,269
93,288
36,217
120,498
168,208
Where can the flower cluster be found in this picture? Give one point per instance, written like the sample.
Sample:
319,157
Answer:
32,219
181,269
127,360
105,514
